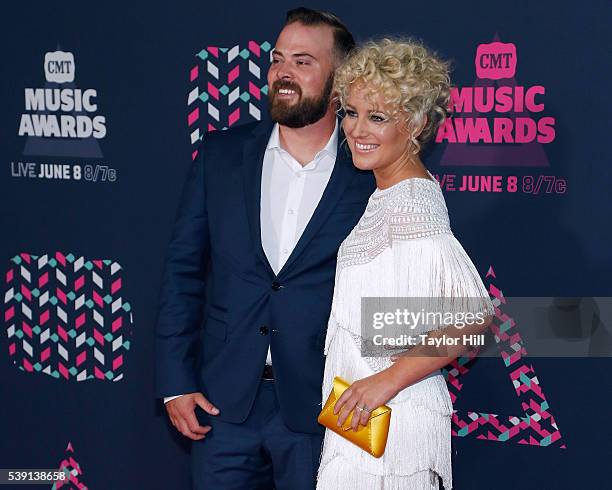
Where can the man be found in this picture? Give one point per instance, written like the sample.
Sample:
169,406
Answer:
251,267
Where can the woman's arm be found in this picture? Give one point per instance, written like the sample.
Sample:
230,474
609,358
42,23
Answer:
413,365
408,368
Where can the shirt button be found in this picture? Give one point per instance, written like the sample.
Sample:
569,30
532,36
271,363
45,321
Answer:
290,211
276,285
263,330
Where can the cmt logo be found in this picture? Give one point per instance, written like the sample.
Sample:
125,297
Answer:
59,67
497,110
496,60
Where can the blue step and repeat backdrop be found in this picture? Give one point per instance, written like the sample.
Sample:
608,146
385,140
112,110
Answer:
103,109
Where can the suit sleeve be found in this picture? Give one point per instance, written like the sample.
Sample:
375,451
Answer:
183,290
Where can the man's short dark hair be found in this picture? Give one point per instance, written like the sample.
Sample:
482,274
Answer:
343,39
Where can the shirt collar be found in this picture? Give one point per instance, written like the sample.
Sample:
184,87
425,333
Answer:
331,148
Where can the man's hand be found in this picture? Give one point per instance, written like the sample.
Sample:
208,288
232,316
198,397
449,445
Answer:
181,411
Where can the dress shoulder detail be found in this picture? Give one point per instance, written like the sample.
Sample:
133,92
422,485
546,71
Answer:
411,209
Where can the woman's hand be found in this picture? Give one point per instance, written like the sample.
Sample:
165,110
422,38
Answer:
365,395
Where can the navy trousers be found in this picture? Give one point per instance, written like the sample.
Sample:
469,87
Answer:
259,454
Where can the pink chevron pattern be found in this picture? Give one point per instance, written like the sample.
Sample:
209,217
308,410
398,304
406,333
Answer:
65,317
536,426
71,468
227,88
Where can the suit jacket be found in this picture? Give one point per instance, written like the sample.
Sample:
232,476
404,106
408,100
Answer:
222,305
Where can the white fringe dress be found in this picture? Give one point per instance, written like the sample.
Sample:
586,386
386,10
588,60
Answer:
401,247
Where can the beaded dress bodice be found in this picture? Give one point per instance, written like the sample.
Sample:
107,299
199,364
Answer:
412,208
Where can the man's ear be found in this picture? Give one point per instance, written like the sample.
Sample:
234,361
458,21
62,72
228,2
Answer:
335,98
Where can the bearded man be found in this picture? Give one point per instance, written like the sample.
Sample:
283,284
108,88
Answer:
249,274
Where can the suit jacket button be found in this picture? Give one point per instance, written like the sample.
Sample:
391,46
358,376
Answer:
276,285
263,330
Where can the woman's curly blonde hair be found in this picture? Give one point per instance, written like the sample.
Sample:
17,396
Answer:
413,80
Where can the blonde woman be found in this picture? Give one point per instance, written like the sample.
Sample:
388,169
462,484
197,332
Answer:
394,94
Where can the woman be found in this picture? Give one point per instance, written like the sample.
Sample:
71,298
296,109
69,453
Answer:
395,94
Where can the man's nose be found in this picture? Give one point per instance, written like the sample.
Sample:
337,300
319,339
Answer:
284,72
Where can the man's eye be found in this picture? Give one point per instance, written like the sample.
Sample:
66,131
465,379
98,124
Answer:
301,62
275,61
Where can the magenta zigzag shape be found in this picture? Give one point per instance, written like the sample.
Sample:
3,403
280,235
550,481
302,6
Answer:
535,412
72,471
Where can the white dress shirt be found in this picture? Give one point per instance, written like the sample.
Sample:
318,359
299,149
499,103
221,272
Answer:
290,193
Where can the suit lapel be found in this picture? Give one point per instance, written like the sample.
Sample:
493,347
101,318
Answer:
340,178
252,165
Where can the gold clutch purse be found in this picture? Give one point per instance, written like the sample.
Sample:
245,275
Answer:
372,438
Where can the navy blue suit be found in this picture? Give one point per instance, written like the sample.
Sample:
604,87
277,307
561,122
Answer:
221,303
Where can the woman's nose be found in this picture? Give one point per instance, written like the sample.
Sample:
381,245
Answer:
358,128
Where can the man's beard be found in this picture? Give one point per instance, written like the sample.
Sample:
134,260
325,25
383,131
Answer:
304,112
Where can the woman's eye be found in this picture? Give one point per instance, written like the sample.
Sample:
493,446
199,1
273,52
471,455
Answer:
377,118
350,113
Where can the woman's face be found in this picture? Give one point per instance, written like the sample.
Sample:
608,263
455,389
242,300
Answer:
375,139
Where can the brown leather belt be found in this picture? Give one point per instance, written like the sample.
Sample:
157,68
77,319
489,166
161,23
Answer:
268,373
